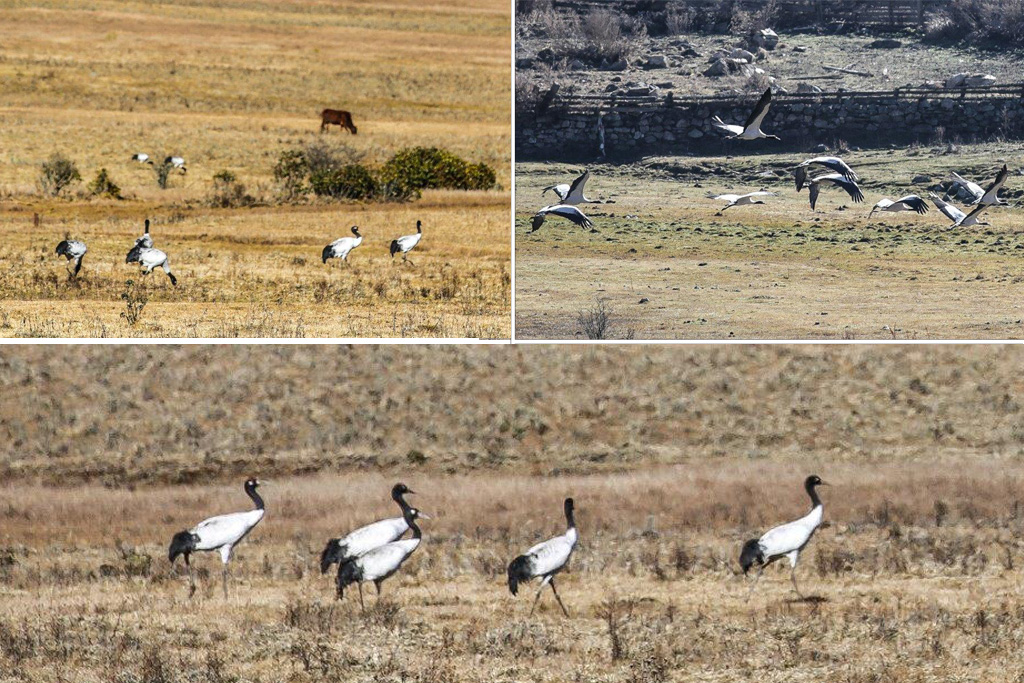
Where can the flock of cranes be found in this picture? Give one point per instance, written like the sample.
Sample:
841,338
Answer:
149,257
835,171
377,551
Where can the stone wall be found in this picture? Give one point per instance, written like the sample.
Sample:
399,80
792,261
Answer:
660,128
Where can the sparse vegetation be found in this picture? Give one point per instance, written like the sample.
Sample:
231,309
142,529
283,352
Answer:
228,192
135,300
58,174
104,186
594,322
986,23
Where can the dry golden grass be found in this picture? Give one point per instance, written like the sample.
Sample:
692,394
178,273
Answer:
675,456
776,271
229,86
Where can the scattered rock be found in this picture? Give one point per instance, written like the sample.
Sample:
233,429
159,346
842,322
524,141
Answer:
980,81
808,88
620,65
718,68
740,53
799,48
656,62
695,133
524,63
821,148
761,55
644,300
885,44
922,179
577,65
766,38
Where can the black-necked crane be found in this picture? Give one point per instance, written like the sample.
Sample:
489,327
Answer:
814,186
149,258
909,203
383,561
176,162
991,196
571,194
740,199
146,241
834,164
142,158
406,243
959,218
72,250
563,210
221,533
545,560
972,189
751,130
366,538
341,247
787,540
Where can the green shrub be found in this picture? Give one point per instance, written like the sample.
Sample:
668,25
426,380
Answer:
290,173
353,181
104,186
228,192
58,173
421,168
163,174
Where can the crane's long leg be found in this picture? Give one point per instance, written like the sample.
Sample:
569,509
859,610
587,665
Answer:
224,578
191,577
555,591
537,597
792,575
362,606
757,578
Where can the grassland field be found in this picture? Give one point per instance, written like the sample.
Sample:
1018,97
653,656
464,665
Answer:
773,271
230,85
674,455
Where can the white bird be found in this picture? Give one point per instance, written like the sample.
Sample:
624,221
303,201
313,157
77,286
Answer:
72,250
545,560
992,191
973,189
406,243
366,538
563,210
909,203
221,533
378,564
142,158
787,540
959,218
176,162
341,247
149,258
834,164
814,187
751,130
571,194
740,199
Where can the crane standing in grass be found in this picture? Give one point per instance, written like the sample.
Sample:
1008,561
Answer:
381,562
221,533
787,540
545,560
406,243
72,250
366,538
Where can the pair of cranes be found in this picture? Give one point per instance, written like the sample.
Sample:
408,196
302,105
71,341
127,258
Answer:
343,246
375,552
172,161
142,252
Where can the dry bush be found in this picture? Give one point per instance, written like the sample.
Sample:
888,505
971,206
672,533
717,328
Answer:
744,22
595,322
57,174
988,23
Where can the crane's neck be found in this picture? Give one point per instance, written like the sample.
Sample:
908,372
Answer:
256,499
419,229
400,499
570,518
813,493
416,533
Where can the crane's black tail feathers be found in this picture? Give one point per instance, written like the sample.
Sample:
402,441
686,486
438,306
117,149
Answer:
183,542
751,555
518,571
333,552
327,253
348,573
394,248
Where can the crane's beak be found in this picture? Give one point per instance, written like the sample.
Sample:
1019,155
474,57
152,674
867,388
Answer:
409,491
424,515
824,483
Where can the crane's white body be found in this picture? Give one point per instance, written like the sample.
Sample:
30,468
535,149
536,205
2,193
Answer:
150,258
571,194
909,203
563,210
814,187
72,250
407,242
751,130
383,561
834,164
959,218
142,158
550,557
341,247
787,540
372,536
742,199
224,532
176,162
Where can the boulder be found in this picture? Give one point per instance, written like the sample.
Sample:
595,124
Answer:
695,133
740,53
807,88
656,62
980,81
918,179
717,69
884,44
619,65
766,38
577,65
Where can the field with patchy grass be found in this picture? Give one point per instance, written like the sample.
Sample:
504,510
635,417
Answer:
915,576
775,271
229,86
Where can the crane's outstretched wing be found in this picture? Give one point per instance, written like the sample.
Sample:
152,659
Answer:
914,203
951,212
991,192
575,193
760,110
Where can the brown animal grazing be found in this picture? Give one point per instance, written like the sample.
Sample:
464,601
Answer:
339,117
